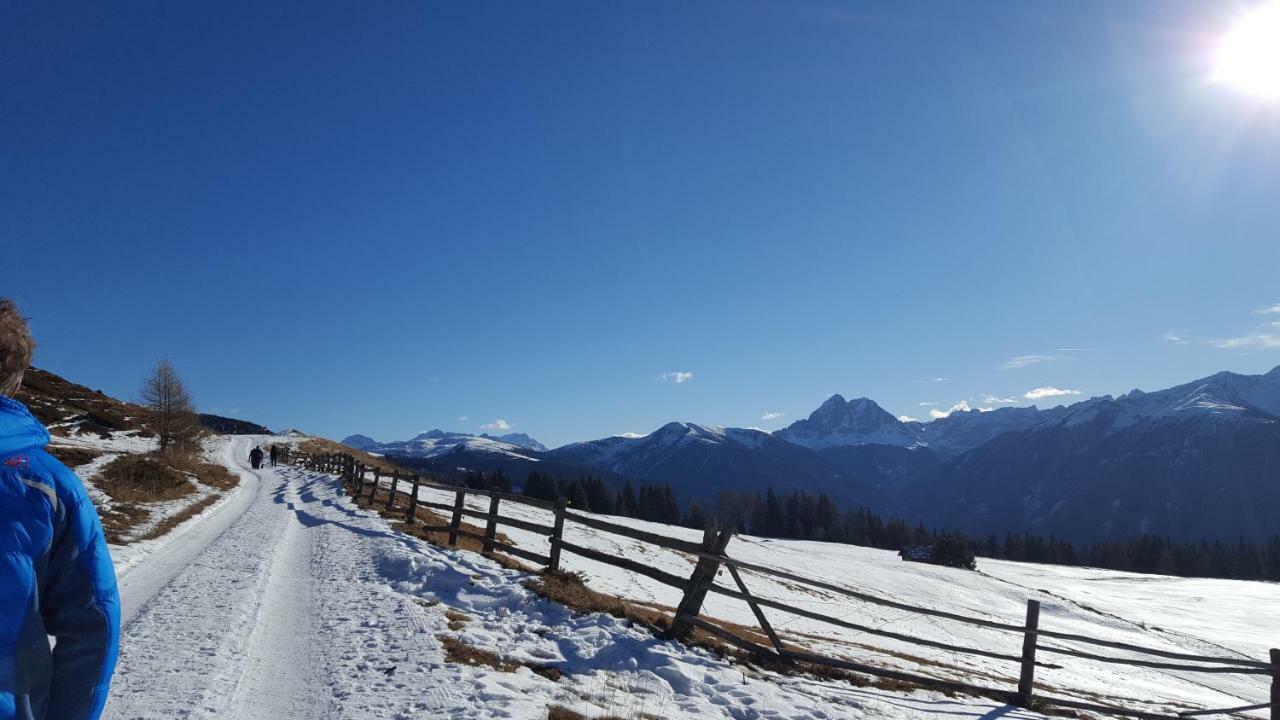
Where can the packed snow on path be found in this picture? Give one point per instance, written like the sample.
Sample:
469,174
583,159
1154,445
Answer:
288,601
1223,618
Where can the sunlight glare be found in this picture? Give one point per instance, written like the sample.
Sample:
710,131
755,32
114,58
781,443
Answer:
1249,56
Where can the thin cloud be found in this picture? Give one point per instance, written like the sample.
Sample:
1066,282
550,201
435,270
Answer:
927,404
676,376
770,415
994,400
906,418
1021,361
630,435
1273,310
1048,392
498,424
463,418
1176,338
1247,342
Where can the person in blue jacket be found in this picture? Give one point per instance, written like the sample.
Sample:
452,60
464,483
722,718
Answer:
56,578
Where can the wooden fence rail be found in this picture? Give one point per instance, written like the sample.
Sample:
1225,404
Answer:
709,556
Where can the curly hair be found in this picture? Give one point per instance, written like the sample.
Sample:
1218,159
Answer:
16,347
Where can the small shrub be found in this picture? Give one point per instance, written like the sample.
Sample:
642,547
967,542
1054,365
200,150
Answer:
140,478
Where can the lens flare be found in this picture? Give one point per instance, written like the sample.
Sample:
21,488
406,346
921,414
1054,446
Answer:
1249,56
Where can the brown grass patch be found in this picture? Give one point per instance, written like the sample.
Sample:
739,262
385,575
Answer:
216,476
459,652
73,457
142,478
120,519
457,619
177,519
560,712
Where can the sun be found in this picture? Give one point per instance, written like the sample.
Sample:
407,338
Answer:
1249,56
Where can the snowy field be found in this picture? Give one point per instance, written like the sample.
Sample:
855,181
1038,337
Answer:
1197,616
288,601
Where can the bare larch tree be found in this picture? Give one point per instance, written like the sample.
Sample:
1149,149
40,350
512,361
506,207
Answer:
172,414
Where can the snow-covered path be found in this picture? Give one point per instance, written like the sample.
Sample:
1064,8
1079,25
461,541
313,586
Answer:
288,601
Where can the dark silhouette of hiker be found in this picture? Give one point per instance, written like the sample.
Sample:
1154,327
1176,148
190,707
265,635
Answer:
255,457
275,453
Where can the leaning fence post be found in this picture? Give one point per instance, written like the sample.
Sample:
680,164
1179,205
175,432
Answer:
704,575
557,535
413,501
455,522
491,528
1026,682
391,497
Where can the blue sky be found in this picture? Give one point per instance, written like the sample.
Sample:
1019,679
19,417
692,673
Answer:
387,218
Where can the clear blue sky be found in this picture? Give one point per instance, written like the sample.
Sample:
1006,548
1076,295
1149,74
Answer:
382,218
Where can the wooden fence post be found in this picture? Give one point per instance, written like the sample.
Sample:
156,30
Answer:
413,501
557,535
760,617
1275,681
455,522
1026,682
391,497
373,489
704,574
359,486
491,529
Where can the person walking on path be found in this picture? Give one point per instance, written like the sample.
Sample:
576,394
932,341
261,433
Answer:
255,457
56,577
275,453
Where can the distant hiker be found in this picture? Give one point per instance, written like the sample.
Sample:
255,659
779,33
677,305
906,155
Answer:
255,457
275,453
56,577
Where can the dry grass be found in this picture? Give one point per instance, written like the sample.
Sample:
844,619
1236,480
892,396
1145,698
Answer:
216,476
457,619
187,513
141,478
120,519
459,652
73,457
133,481
560,712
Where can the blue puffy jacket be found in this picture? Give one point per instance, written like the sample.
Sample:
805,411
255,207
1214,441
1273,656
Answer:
56,580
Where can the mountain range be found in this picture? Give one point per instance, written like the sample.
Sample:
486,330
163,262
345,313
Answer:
1199,460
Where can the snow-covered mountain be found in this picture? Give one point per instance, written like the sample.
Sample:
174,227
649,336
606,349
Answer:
439,442
1197,460
700,460
839,423
1201,459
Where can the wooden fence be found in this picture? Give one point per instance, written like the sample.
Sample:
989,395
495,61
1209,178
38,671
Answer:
710,554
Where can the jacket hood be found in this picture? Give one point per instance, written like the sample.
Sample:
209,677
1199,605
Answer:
19,430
